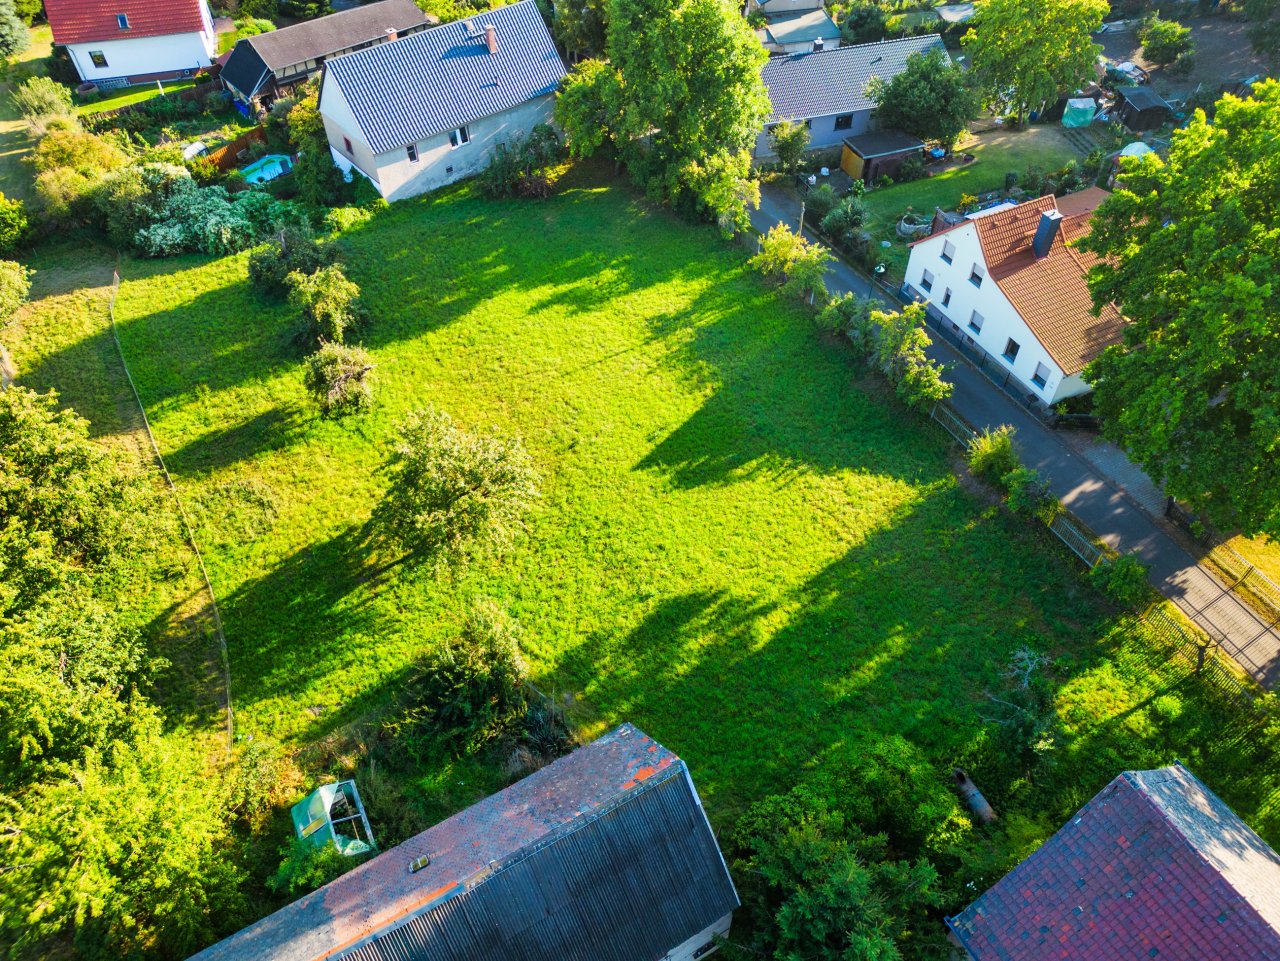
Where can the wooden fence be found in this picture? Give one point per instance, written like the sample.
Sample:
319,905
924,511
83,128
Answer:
225,156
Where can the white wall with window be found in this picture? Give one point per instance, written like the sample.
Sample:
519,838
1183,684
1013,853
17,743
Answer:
146,57
949,271
427,164
825,131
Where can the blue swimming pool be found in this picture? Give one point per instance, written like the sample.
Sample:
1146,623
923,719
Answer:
267,168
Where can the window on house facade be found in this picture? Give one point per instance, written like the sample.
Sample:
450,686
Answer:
122,21
844,121
460,136
976,275
975,322
926,281
1011,349
1041,376
98,57
946,298
948,251
346,144
412,151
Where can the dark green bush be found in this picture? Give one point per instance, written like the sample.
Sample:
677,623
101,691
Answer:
911,169
991,455
1029,494
820,201
290,250
1123,579
521,169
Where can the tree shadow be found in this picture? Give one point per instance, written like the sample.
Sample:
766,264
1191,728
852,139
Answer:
272,429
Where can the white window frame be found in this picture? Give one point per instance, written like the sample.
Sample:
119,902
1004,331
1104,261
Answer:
926,281
1039,379
946,298
1011,356
411,151
122,21
977,274
95,56
976,328
948,254
459,137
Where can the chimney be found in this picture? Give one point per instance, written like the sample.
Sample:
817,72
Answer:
818,44
391,34
491,37
1050,220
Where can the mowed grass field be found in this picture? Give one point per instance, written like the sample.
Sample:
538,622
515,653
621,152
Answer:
742,545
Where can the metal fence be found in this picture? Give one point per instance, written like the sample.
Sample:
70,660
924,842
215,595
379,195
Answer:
1205,654
1082,541
955,425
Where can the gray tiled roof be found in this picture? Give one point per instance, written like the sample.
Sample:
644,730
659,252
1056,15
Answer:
809,85
445,77
604,855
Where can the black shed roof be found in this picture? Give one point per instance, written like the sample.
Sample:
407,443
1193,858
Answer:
1143,98
882,143
604,855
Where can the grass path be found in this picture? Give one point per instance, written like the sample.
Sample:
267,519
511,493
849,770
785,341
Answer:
62,341
15,141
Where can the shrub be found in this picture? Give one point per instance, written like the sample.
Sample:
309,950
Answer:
40,97
897,343
15,286
1011,180
845,220
306,867
253,26
789,259
203,171
521,170
1123,579
320,182
884,180
1164,41
208,220
453,494
863,23
1029,494
292,249
14,35
847,314
13,223
341,219
467,693
330,303
820,201
1183,66
132,199
337,377
991,454
911,169
66,145
789,141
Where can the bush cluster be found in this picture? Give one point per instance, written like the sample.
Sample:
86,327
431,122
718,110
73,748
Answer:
1123,578
991,455
523,168
788,259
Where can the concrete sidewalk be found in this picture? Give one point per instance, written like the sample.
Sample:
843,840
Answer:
1094,479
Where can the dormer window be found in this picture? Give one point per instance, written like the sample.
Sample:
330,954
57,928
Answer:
122,21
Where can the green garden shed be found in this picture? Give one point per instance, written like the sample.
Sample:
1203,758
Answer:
334,814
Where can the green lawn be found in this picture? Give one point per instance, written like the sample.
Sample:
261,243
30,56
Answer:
995,154
741,546
15,141
114,99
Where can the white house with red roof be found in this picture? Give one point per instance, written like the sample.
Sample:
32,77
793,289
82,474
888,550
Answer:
1011,283
115,43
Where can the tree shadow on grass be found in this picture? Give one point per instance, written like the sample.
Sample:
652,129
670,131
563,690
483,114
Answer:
272,429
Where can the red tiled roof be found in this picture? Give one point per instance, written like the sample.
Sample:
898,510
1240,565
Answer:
88,21
1050,292
1155,867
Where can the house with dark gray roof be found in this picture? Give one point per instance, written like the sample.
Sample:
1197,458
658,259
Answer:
432,108
827,90
604,855
1156,866
263,67
799,32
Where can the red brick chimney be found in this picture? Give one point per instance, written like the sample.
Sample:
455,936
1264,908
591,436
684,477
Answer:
391,34
491,37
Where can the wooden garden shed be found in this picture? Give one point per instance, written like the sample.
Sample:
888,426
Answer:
1141,108
872,154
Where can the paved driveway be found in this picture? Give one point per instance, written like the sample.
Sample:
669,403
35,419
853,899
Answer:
1094,479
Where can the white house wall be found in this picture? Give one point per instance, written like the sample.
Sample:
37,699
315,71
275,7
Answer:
822,132
139,56
439,163
340,122
1000,320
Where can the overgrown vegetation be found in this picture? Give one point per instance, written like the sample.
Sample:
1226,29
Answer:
791,261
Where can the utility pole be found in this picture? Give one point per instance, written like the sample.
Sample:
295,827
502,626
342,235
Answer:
802,218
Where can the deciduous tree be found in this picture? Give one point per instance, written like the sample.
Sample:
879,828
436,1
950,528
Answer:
1192,249
930,99
337,376
14,35
15,285
789,141
454,494
1164,41
1025,52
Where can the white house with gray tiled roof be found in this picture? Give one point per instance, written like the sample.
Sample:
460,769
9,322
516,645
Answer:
426,110
827,90
1011,283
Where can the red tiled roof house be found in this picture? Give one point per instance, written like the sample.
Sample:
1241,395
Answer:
604,855
1012,283
118,42
1155,868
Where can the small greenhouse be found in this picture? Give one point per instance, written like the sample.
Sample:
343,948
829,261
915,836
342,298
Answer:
334,813
1079,112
